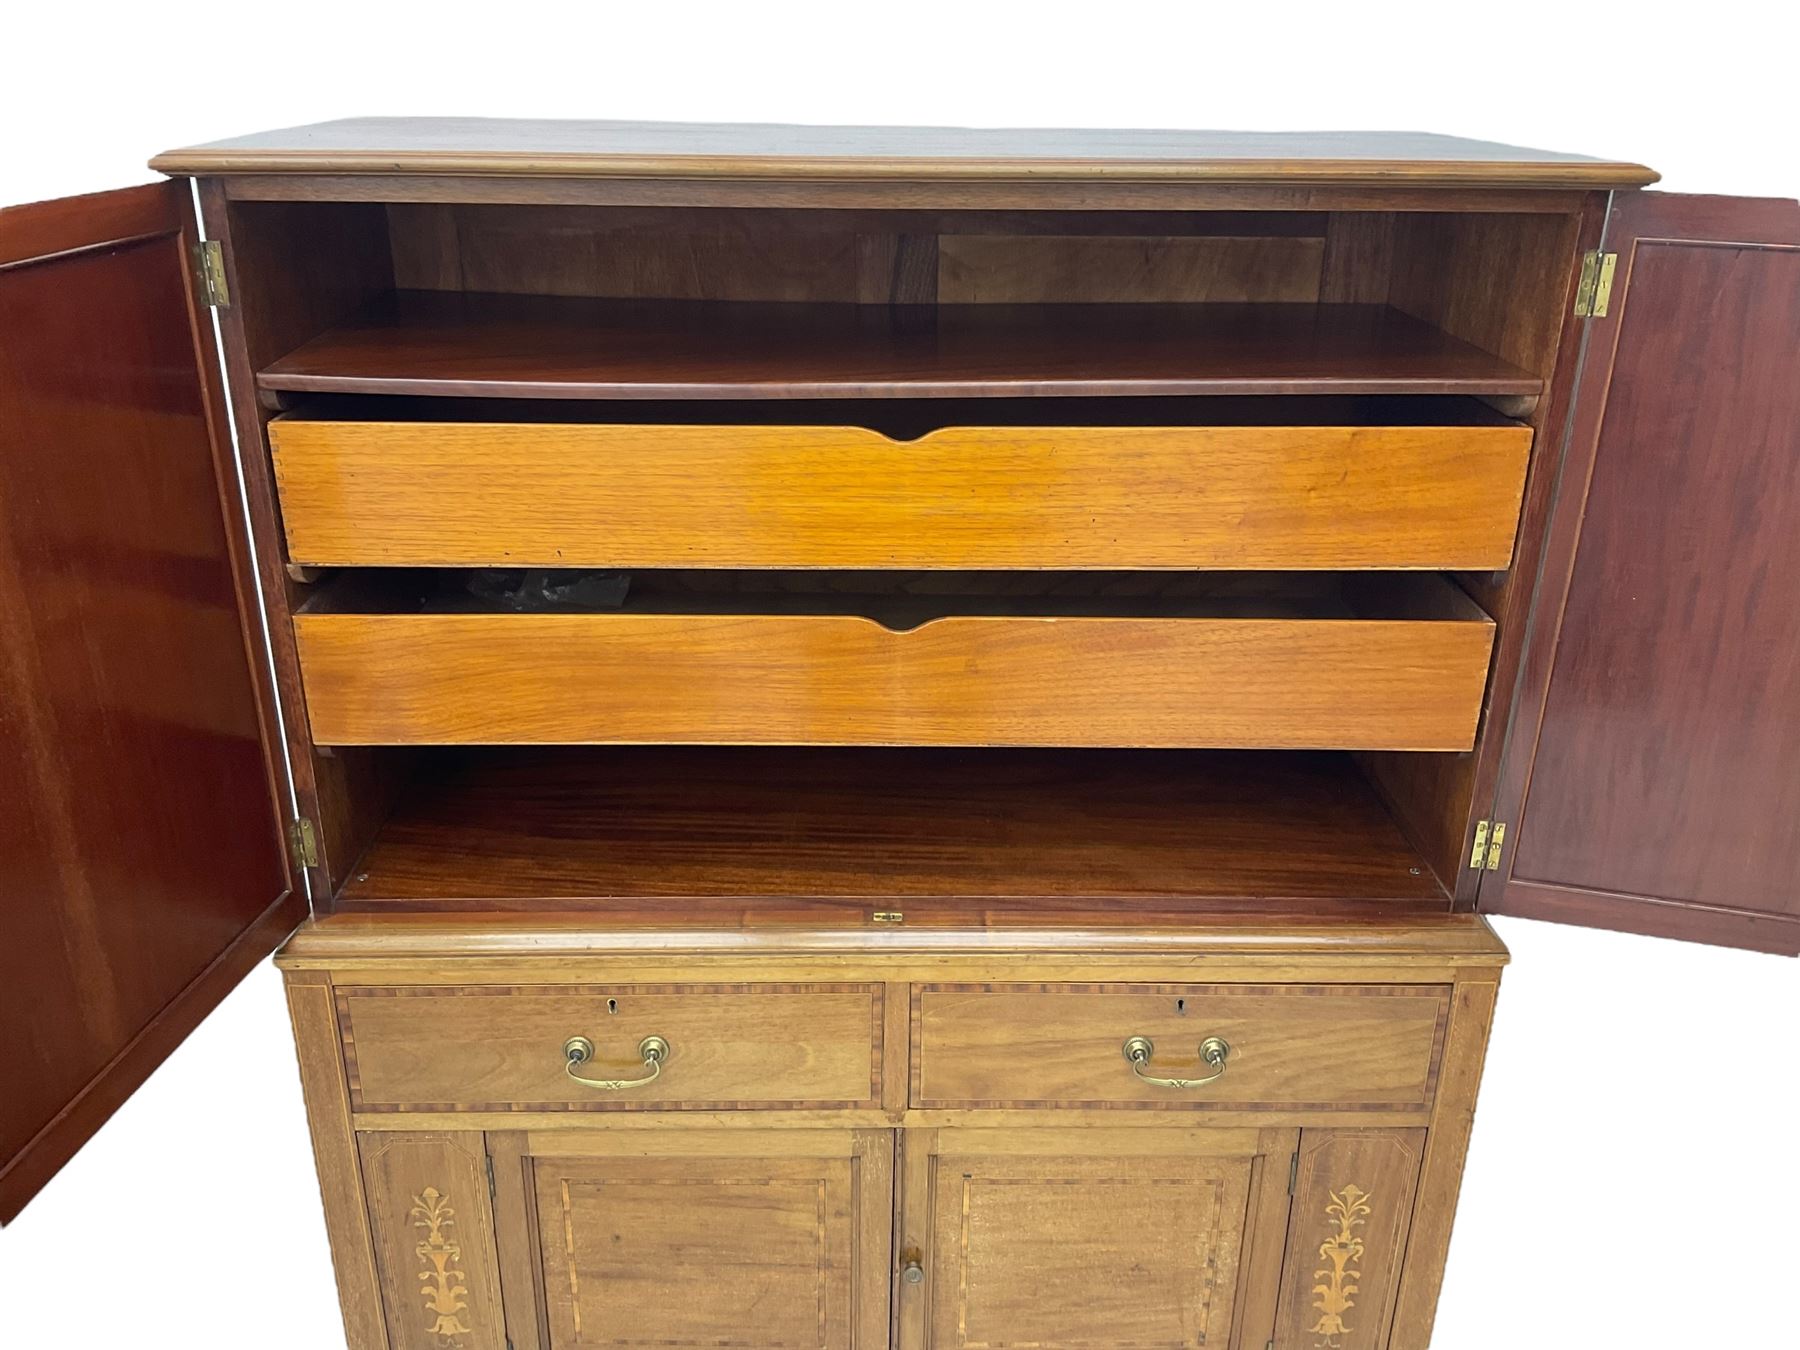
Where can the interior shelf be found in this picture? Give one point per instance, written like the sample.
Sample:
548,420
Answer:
751,836
505,346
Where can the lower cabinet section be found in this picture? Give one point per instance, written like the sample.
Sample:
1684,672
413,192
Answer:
1117,1239
937,1193
1008,1238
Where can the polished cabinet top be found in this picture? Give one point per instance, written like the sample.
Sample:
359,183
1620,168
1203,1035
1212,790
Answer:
581,149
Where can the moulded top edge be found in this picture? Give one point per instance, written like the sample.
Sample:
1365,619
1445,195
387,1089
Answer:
658,150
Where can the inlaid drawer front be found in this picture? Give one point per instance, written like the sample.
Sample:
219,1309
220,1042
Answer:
584,495
1178,1047
612,1048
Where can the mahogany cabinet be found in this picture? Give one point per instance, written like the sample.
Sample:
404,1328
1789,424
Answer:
878,736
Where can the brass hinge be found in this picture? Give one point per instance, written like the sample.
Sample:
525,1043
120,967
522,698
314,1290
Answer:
303,842
209,262
1478,854
493,1191
1490,838
1495,845
1594,291
888,916
1293,1172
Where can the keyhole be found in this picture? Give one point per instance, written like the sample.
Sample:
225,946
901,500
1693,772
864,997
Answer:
1181,1007
612,1005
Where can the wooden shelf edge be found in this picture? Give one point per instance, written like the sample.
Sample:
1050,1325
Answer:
426,937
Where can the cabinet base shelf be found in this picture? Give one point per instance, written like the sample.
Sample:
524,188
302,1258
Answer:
748,837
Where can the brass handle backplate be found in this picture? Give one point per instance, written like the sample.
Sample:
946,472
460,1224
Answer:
578,1050
1213,1053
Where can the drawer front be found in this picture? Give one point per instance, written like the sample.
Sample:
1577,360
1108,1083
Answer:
511,495
1303,683
1291,1047
729,1047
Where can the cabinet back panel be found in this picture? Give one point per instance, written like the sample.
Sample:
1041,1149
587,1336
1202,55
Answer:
867,256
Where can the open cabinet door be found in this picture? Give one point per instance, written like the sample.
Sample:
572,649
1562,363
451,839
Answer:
142,870
1651,777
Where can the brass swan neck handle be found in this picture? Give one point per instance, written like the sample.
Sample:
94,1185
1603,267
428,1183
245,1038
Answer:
1214,1051
578,1050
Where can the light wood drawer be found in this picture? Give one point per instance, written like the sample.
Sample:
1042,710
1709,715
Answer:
489,1048
571,494
1402,673
1292,1047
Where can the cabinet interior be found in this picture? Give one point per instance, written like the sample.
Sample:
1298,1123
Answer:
904,323
713,835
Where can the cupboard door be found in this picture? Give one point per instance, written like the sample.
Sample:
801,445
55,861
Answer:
1352,1209
1648,782
1103,1238
696,1237
433,1229
141,866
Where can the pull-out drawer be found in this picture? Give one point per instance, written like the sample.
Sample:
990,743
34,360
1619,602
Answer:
1396,664
1218,1047
502,1048
582,494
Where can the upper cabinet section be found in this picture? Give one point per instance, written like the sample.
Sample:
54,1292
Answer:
662,150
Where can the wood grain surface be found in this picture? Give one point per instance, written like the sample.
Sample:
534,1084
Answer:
1312,1047
1353,1203
1022,1233
470,145
768,833
549,494
796,669
431,1224
514,346
1650,784
730,1046
141,868
702,1240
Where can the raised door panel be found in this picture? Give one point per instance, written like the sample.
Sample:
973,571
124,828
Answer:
1352,1209
1649,780
705,1238
141,866
1102,1238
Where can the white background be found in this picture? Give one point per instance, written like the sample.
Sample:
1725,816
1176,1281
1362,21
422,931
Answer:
1631,1178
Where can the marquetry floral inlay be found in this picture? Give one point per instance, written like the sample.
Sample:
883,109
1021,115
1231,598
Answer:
1342,1252
442,1282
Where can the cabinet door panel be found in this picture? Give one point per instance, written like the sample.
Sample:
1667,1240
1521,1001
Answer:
704,1238
141,866
1353,1202
1649,782
1111,1239
433,1229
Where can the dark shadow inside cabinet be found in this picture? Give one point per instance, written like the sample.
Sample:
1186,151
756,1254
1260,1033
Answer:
907,323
